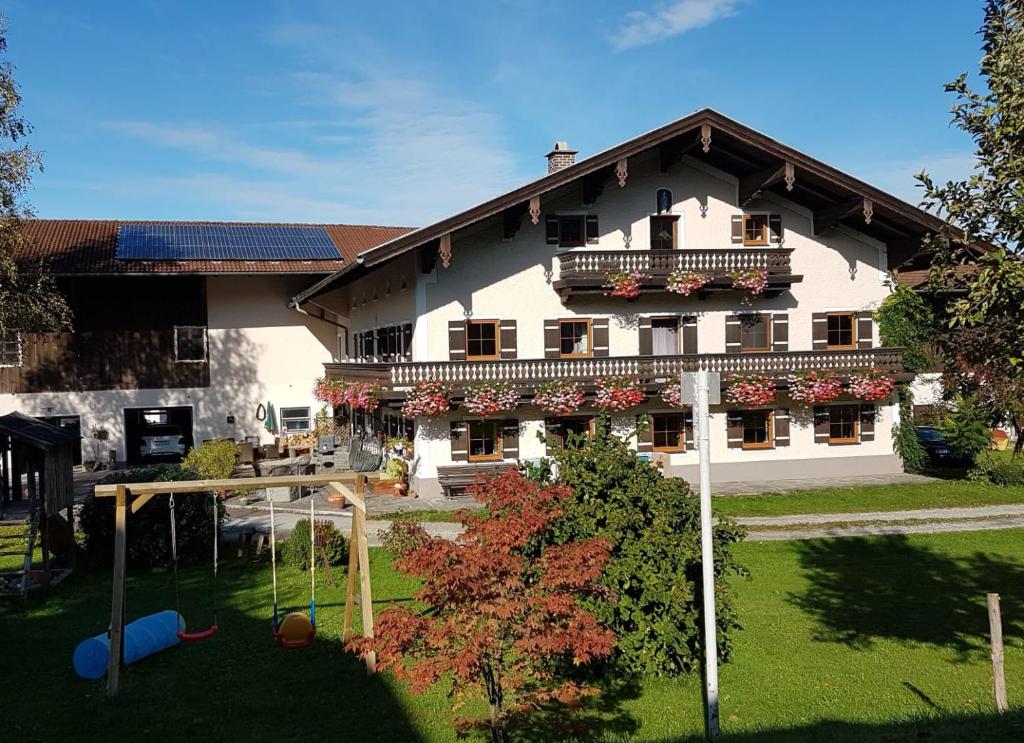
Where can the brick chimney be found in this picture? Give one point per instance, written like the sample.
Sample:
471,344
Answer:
560,157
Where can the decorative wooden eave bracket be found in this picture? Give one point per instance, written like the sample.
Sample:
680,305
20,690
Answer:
754,184
705,137
622,171
830,216
445,249
535,209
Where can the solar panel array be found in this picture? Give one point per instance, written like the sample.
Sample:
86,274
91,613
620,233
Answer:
191,242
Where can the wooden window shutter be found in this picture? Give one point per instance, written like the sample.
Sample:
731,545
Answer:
865,331
737,228
646,337
781,427
507,331
734,427
821,424
592,232
599,328
510,438
780,333
460,441
775,229
457,340
819,331
644,438
554,436
552,339
689,436
867,422
732,334
551,229
689,344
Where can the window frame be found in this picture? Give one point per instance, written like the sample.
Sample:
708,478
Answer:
498,436
497,340
767,318
855,425
308,417
679,333
582,219
206,344
19,351
765,229
590,337
680,446
853,331
769,442
674,219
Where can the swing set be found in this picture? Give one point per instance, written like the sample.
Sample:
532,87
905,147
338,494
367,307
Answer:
297,630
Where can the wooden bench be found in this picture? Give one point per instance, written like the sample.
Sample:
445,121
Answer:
455,478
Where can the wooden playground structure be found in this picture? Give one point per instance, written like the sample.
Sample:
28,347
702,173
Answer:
132,497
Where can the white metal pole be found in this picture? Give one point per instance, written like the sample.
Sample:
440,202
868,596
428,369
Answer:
707,556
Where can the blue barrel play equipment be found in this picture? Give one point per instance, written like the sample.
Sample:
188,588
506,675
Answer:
142,638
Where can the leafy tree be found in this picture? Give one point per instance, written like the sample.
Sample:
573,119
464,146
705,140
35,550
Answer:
965,427
504,610
981,336
653,526
905,320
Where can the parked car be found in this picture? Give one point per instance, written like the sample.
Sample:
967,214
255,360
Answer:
162,441
937,448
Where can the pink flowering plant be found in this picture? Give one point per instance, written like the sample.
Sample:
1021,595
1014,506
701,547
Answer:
330,391
813,387
560,397
753,281
429,397
616,394
686,282
873,384
488,398
624,284
673,395
363,395
752,390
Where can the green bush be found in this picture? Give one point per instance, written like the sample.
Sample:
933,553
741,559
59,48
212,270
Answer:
330,545
149,530
654,573
966,428
402,537
394,470
906,321
213,460
1008,474
904,435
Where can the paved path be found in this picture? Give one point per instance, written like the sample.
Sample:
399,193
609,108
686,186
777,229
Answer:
756,487
921,514
1010,522
257,520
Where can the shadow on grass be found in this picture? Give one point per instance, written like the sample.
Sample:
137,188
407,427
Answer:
863,590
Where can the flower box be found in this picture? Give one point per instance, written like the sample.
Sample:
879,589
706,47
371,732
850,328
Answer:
686,282
430,397
559,397
624,284
751,390
488,398
616,394
871,385
753,281
673,395
812,388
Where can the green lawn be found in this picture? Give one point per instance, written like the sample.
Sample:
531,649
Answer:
426,515
853,639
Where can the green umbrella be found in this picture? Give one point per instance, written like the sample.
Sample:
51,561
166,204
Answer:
271,420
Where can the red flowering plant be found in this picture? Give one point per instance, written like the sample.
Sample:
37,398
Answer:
429,397
616,394
488,398
330,391
873,384
560,397
753,281
813,387
752,390
673,395
504,615
363,396
686,282
624,284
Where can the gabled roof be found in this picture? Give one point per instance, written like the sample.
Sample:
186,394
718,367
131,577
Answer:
83,247
734,148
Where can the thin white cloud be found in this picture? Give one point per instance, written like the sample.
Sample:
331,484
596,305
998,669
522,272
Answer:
644,27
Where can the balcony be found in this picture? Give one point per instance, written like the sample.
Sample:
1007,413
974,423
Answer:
584,271
528,373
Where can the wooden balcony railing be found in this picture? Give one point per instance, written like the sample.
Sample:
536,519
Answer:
582,271
528,372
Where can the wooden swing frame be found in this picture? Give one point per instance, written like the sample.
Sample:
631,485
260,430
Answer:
132,497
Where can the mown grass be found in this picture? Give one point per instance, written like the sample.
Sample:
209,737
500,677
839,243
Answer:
424,515
855,639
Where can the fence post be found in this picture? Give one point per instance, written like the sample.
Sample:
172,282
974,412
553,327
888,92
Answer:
995,622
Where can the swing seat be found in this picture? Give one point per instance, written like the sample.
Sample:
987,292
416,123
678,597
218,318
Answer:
197,636
296,631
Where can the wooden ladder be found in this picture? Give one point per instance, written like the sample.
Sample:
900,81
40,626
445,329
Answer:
9,547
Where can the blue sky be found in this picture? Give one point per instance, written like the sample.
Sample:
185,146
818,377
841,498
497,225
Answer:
401,112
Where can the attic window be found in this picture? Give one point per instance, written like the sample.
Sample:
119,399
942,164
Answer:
10,350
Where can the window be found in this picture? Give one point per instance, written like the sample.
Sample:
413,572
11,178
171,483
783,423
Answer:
665,336
840,330
664,232
294,419
574,338
190,343
562,432
484,441
755,229
389,343
481,340
10,350
842,424
570,231
667,431
757,429
755,333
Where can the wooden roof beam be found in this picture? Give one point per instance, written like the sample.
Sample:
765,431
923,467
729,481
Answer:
672,152
832,215
512,220
753,184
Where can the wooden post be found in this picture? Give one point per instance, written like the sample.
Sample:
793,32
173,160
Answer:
995,622
350,589
117,602
365,597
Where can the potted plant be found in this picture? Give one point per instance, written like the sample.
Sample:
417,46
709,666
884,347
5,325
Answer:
873,384
812,387
753,281
429,397
673,395
489,398
559,397
624,284
363,396
751,390
616,394
330,391
686,282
